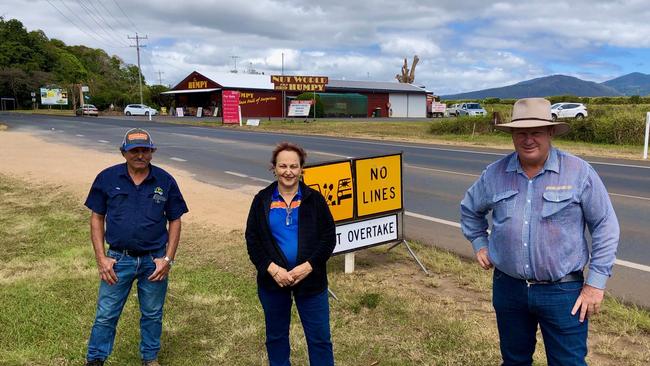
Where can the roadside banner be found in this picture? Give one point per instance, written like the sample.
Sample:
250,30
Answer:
299,108
230,105
365,198
53,96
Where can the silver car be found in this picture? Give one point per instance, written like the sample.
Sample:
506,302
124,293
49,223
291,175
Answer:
470,109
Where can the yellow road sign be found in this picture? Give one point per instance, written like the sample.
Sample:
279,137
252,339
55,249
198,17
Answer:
334,182
378,184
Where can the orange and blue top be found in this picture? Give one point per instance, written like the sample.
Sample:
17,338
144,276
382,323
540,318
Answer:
283,222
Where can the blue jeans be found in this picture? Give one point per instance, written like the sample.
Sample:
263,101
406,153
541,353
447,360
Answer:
315,316
111,300
519,308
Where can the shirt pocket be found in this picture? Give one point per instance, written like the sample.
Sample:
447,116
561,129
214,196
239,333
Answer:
117,203
503,205
557,205
155,211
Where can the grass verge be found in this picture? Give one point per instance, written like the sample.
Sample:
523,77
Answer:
388,312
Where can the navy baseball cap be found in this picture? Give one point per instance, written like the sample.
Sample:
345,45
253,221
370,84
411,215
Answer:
137,137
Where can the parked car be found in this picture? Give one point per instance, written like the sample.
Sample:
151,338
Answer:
453,110
470,109
139,110
87,110
568,110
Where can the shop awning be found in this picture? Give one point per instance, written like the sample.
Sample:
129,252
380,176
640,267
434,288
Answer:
185,91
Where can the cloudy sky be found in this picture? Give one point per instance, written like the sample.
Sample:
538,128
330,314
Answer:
463,45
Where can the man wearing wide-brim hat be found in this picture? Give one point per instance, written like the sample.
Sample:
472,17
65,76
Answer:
541,199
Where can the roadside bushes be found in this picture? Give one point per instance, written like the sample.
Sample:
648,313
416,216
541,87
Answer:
618,124
464,125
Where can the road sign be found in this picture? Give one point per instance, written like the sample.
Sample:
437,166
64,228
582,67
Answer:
378,184
361,234
334,182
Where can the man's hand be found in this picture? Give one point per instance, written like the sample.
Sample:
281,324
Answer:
588,302
105,267
161,271
483,259
280,275
301,271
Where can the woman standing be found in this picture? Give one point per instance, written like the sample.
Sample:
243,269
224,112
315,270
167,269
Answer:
290,235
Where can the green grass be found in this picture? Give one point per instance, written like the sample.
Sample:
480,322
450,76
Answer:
54,111
389,313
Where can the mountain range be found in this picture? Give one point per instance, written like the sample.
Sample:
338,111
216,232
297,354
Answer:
635,83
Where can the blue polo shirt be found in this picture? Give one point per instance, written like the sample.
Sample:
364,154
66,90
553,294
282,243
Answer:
136,216
283,221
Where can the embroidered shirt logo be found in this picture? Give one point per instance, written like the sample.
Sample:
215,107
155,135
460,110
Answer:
158,195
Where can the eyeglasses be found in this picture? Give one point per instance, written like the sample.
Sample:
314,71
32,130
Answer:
289,218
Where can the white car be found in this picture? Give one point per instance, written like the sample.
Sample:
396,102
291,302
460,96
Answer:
139,110
568,110
470,109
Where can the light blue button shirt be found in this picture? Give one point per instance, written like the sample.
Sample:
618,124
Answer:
538,224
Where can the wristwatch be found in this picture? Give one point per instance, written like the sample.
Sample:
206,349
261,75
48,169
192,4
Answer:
169,261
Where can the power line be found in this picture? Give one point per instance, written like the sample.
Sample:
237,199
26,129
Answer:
113,16
99,13
84,23
100,40
127,17
107,40
94,19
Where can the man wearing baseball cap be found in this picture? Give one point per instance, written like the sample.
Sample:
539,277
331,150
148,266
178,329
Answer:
541,200
140,206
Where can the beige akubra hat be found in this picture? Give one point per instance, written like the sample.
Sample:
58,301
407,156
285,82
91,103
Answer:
532,112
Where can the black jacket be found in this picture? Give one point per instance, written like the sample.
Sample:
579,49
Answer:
316,240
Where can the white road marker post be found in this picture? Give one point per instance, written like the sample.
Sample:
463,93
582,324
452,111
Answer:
349,262
647,132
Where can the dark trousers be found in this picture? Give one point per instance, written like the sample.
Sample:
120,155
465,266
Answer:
520,308
315,317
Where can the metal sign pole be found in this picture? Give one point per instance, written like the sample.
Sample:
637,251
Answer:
408,247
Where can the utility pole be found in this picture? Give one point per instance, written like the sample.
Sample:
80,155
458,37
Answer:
283,92
160,77
137,46
235,58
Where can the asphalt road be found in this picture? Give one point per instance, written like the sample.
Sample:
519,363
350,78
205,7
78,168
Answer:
435,177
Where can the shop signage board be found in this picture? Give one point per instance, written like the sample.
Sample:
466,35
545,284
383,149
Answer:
365,198
53,96
230,105
299,108
299,83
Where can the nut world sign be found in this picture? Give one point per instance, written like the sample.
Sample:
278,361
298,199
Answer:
299,83
365,198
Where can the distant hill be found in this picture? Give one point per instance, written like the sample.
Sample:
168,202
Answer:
543,87
635,83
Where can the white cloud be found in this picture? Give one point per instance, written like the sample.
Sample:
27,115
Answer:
463,45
